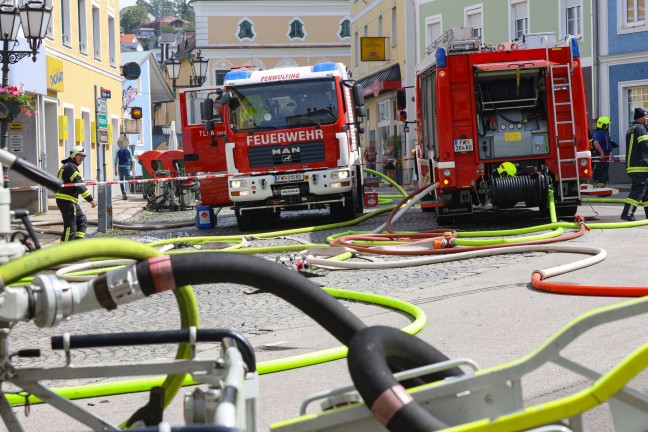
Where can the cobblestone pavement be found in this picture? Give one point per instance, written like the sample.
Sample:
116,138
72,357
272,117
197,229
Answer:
263,317
226,305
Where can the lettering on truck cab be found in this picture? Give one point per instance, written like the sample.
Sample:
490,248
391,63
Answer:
285,137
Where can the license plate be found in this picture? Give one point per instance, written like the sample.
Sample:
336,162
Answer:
285,178
463,145
290,191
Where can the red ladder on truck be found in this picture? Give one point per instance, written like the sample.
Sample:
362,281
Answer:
560,78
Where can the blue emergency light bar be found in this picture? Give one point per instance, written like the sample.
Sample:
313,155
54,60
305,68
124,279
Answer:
325,67
238,74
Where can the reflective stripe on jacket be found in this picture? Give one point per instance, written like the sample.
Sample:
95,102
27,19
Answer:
69,173
637,149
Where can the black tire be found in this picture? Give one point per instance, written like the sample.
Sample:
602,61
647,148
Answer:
245,219
344,211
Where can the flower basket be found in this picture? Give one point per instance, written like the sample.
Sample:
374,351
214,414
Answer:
17,101
14,109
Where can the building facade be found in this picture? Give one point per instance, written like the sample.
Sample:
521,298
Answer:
151,93
621,77
383,59
508,20
78,59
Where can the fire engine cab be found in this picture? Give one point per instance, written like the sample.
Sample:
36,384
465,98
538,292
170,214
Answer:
499,126
291,141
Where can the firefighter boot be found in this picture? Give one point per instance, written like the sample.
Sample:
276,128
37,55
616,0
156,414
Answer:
124,195
625,216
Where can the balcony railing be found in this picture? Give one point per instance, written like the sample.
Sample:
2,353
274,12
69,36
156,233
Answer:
185,47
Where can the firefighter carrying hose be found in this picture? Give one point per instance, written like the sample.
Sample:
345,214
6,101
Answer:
74,221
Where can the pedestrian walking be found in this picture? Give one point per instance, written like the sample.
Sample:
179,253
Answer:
602,146
124,165
67,197
637,164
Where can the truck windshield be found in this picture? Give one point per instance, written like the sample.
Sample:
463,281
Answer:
284,105
194,99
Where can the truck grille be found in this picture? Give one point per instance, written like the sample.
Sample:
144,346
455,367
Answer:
285,155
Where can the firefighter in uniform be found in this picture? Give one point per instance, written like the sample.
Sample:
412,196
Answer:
637,164
67,198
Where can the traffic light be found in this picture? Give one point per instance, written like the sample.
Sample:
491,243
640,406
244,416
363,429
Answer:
402,116
136,113
401,99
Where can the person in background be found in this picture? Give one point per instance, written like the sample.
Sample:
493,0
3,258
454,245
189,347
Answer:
124,165
67,197
602,146
370,158
637,164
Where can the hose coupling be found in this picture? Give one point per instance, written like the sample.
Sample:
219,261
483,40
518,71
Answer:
123,285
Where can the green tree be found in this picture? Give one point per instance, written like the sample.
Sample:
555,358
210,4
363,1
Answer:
185,11
160,8
144,4
132,17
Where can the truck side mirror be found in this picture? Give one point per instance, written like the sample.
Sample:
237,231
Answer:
358,94
207,109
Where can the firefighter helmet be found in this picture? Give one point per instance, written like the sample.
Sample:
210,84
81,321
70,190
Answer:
603,122
508,168
78,150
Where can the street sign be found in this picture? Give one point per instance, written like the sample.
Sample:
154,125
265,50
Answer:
105,93
102,105
102,121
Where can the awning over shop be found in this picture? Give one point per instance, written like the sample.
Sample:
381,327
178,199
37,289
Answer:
386,79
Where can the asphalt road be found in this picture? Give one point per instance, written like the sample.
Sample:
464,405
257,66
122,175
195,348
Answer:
481,308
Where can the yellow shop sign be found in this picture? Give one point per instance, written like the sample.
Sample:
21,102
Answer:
55,74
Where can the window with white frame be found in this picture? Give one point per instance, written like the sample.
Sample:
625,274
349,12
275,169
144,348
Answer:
66,30
246,29
111,42
356,49
573,20
219,77
637,98
473,20
394,27
380,26
634,13
520,19
96,32
296,29
433,31
50,26
83,30
345,29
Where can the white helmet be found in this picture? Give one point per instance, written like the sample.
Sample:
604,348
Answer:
77,150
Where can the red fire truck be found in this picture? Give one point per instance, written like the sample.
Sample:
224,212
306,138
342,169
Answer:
499,126
202,152
291,140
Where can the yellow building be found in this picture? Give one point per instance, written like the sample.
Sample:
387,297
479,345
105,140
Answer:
77,64
384,58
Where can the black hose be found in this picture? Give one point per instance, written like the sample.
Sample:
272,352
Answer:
159,337
373,353
224,267
507,191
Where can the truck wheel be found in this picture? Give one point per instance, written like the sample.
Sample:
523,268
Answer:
344,212
244,219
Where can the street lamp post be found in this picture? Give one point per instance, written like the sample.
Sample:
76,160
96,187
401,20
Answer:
34,17
199,66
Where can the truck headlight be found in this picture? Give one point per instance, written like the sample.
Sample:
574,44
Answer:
340,174
446,172
235,184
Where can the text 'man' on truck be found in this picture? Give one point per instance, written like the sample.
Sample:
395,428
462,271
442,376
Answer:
499,126
291,140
